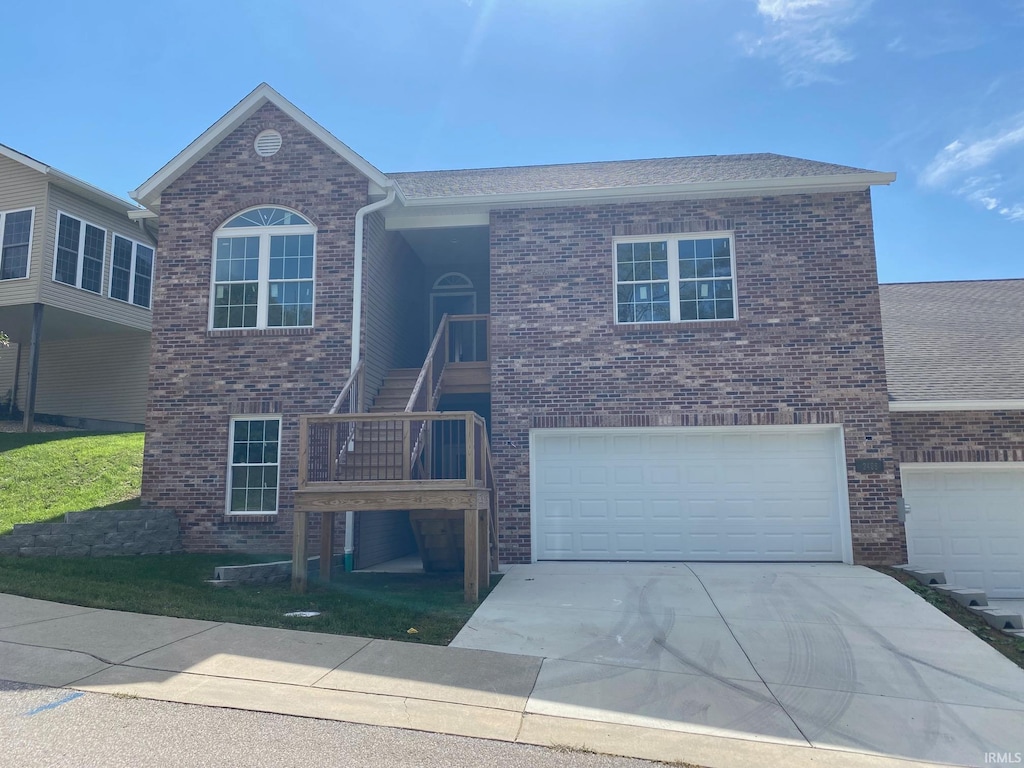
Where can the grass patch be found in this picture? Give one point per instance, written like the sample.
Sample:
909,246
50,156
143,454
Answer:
1011,647
43,475
380,605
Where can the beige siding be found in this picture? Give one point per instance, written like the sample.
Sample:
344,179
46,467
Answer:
21,188
382,536
395,333
77,300
99,377
8,367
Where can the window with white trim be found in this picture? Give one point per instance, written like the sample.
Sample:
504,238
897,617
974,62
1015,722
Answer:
80,248
131,271
15,241
263,266
673,279
253,474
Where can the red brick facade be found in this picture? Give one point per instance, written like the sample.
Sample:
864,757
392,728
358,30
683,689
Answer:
806,348
958,436
199,378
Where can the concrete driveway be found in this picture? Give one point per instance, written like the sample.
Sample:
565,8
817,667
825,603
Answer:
833,656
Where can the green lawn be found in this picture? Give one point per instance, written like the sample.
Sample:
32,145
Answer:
43,475
364,604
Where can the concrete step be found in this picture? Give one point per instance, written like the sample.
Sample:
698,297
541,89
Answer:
966,597
928,578
999,618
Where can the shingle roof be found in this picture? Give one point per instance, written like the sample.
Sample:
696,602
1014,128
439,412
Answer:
612,174
954,340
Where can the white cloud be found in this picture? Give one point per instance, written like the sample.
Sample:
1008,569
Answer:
803,35
974,169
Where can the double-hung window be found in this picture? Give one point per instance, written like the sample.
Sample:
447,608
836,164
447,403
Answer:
676,278
78,260
253,477
15,238
263,266
131,271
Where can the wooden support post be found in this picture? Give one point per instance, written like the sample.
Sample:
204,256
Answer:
470,451
33,365
472,558
300,564
483,549
326,545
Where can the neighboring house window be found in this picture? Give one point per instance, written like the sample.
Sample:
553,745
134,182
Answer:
15,237
131,271
253,474
263,263
79,257
675,279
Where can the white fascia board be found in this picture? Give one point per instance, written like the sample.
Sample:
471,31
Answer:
786,186
138,214
911,406
436,220
16,156
149,192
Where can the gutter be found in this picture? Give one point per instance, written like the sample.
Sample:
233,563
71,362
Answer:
357,340
912,406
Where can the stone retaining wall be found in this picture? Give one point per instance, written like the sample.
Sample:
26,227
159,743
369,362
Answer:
97,534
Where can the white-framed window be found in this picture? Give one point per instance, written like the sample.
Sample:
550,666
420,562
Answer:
15,243
79,253
263,267
254,463
675,278
131,271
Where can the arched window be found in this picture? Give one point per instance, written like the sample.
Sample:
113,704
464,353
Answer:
452,280
263,268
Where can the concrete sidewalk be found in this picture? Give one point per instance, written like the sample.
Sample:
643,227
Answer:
445,690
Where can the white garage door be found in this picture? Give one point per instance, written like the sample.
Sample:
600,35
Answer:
967,520
764,493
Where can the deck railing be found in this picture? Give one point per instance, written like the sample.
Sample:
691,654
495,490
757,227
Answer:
382,448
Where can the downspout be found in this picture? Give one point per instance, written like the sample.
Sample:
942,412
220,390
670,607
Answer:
357,340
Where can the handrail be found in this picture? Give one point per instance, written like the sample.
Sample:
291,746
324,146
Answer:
425,370
347,388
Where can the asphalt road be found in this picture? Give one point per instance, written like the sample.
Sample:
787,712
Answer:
59,727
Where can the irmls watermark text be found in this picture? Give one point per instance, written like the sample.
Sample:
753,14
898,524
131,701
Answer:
1004,758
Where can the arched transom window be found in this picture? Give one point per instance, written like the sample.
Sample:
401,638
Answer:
263,266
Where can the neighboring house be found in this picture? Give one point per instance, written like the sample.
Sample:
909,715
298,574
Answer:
955,359
685,355
75,294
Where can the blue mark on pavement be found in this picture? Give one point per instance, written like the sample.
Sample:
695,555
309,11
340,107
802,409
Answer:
53,705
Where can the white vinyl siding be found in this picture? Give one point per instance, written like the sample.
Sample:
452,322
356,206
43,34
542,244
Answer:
102,377
724,493
58,294
23,188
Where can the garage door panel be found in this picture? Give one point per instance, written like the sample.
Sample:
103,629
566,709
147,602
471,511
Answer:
968,521
677,494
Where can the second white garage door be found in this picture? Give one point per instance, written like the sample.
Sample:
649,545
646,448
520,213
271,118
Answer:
758,493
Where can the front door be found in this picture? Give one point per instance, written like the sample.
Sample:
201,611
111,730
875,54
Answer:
449,303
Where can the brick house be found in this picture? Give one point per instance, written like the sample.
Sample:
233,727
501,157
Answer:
675,359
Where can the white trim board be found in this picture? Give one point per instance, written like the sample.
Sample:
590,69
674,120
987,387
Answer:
956,405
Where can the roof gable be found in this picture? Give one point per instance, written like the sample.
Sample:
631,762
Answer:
149,192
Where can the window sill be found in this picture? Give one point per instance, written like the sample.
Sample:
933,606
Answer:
628,329
251,517
12,279
213,332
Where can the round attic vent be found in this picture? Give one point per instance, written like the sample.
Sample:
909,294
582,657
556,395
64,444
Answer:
267,143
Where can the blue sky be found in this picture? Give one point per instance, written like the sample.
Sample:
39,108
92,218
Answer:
931,89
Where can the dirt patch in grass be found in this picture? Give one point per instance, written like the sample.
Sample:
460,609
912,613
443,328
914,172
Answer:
1011,647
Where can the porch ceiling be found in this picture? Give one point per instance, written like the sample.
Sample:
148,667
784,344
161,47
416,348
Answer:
451,246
